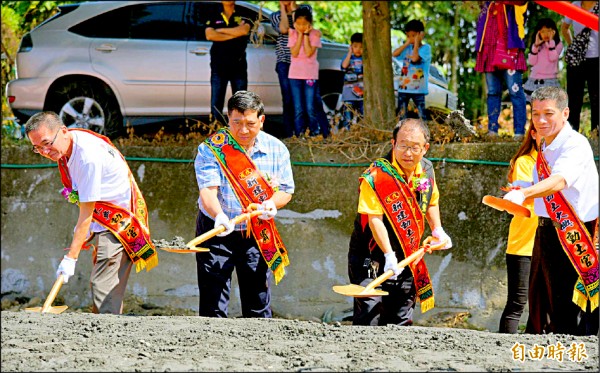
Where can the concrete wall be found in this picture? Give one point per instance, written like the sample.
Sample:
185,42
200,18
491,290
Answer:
37,224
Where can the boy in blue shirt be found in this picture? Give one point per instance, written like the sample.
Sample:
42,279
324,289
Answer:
415,58
352,66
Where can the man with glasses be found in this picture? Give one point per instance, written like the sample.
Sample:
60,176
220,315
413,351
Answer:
96,177
396,194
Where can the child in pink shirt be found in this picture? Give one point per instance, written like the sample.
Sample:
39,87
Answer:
304,41
543,57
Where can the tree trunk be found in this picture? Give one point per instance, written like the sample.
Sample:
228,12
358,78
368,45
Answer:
379,105
454,52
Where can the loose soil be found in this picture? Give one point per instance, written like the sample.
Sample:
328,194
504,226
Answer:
81,341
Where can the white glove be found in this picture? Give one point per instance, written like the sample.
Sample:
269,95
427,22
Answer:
66,268
222,219
391,262
269,210
521,183
440,236
515,196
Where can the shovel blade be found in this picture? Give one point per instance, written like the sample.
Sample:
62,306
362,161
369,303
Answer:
54,310
358,291
185,250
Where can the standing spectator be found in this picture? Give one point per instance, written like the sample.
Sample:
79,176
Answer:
543,57
304,41
563,285
98,180
388,229
282,20
235,167
352,66
500,55
582,65
521,234
415,58
229,34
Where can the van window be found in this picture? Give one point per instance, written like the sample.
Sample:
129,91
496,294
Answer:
143,21
199,15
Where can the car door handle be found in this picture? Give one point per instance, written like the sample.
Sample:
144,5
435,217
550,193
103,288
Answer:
200,51
106,48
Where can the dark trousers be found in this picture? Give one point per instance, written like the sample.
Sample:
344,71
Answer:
577,78
283,70
218,88
404,99
517,269
551,283
396,308
215,268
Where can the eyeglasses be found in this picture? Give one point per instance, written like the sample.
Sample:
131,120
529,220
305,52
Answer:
39,148
414,149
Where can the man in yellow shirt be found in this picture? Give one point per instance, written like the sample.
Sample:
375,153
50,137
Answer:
396,194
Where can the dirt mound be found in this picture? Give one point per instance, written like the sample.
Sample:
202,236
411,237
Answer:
76,341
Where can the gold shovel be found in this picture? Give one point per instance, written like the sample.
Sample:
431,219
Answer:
185,250
47,307
358,291
191,246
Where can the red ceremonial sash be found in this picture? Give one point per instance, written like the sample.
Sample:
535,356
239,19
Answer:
575,240
131,228
402,210
250,186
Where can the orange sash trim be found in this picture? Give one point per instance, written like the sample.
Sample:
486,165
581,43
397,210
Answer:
575,240
402,210
250,186
131,228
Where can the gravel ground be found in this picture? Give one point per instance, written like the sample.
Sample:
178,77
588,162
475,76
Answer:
80,341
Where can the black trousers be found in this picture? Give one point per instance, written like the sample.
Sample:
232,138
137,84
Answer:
517,270
215,269
551,283
396,308
577,77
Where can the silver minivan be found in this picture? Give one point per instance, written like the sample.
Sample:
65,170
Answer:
104,64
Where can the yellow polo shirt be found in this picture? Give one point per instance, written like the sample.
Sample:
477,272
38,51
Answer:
368,203
521,232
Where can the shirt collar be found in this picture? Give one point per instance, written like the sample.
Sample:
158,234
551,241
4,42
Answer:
260,144
416,174
560,139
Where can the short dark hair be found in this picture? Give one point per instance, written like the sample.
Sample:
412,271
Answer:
245,100
356,37
419,123
303,12
48,118
557,94
414,25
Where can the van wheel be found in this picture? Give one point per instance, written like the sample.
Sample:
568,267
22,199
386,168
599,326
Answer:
82,104
334,109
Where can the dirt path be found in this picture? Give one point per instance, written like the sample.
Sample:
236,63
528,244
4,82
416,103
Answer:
77,341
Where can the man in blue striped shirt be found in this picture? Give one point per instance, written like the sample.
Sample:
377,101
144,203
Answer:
218,204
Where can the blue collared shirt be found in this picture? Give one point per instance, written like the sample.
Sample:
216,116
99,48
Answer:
270,156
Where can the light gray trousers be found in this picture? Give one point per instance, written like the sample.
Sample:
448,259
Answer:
109,275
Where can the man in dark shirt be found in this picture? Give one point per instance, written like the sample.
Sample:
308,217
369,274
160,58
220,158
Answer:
229,34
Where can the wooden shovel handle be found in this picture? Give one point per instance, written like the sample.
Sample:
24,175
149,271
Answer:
53,293
411,258
220,229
